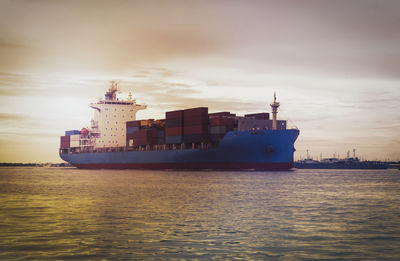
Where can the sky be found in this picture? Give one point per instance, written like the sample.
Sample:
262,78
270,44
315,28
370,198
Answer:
335,66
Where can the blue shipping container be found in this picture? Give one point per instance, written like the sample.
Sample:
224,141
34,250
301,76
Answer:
71,132
130,130
173,139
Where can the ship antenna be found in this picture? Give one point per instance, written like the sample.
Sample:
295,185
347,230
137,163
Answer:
275,105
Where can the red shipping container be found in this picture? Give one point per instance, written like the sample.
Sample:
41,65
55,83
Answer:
142,134
178,131
197,120
222,121
195,129
133,124
219,114
259,116
143,137
139,134
130,136
222,113
172,123
173,114
195,112
140,142
64,142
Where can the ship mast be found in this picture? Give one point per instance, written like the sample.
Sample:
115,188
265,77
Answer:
111,93
275,105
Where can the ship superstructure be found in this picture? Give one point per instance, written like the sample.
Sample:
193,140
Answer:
186,139
108,128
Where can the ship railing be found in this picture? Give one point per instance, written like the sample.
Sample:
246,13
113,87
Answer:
158,147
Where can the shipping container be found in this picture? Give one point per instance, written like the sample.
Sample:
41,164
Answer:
146,123
250,123
196,120
173,123
218,129
258,116
173,139
220,114
194,138
143,137
174,114
74,143
178,131
159,123
200,111
195,129
75,137
64,142
161,137
222,121
144,141
131,129
133,123
71,132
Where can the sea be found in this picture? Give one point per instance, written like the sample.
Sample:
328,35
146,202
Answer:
72,214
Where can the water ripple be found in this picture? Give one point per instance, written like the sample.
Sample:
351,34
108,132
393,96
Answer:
70,214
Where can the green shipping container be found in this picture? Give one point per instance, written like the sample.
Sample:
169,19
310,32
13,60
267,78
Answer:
218,129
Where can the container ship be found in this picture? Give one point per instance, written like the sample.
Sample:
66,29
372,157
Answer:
189,139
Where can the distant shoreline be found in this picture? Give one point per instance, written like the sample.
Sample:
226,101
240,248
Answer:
7,164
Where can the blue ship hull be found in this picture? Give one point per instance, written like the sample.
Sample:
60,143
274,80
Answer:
259,150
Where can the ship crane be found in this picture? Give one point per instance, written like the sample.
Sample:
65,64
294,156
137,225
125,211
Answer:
275,105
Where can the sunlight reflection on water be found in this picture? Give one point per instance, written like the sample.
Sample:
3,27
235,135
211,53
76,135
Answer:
55,213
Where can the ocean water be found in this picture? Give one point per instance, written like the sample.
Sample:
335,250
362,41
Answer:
70,214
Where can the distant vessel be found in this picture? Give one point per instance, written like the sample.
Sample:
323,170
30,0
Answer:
335,163
185,139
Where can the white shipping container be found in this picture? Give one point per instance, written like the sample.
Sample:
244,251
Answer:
74,143
74,137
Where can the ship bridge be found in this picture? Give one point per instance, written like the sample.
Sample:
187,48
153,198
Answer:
110,117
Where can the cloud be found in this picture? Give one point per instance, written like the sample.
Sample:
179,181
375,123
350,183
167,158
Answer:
334,64
342,38
12,117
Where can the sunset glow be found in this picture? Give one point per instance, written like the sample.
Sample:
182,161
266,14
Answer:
334,65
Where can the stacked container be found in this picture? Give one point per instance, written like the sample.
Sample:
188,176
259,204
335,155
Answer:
159,123
64,142
132,126
71,132
195,125
173,127
144,137
144,124
221,114
161,137
220,124
74,140
258,116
